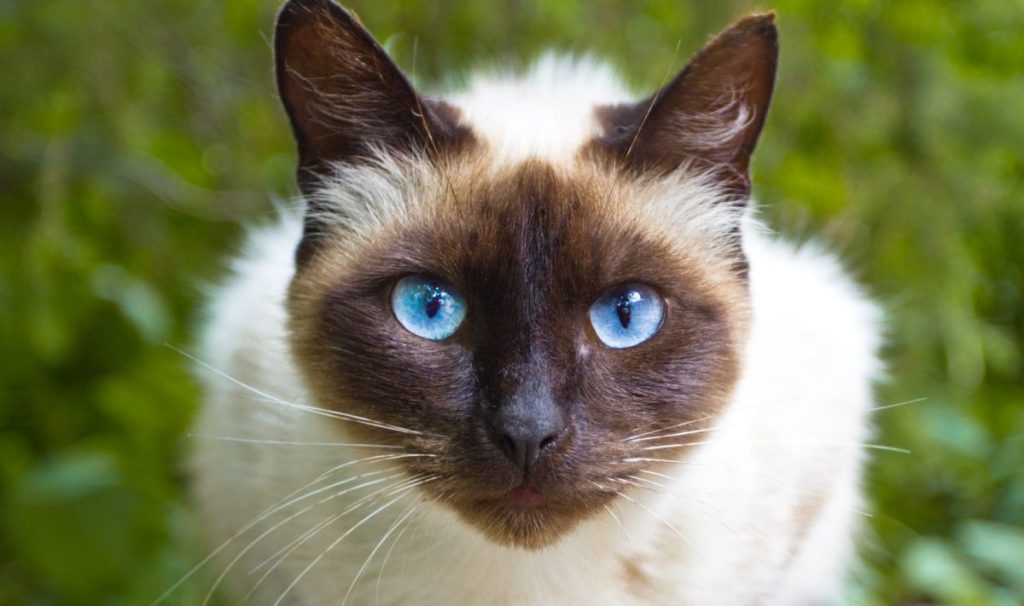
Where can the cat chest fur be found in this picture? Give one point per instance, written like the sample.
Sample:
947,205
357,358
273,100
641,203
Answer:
716,462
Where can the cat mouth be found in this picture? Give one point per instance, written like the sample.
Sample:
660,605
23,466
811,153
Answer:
527,496
525,517
522,497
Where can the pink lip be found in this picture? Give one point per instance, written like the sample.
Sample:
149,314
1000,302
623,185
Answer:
523,497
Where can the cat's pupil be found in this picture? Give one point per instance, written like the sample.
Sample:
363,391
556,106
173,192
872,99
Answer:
433,304
624,309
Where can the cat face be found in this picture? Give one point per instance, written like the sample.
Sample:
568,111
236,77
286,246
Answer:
522,322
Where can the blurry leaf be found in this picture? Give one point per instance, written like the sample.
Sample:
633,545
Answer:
74,524
998,547
137,301
933,569
956,429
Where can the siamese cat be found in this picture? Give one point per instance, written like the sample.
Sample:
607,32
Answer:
526,345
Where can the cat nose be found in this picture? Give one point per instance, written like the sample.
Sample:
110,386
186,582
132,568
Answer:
527,431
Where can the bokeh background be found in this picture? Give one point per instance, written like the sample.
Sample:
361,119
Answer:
138,138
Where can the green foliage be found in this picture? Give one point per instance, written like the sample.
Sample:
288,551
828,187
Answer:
137,137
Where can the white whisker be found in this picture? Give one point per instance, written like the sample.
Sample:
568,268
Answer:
634,437
732,470
373,551
287,551
638,485
786,441
312,493
381,457
384,564
651,482
674,435
727,411
412,539
323,553
280,504
722,467
654,515
717,518
289,518
896,405
640,437
619,522
303,407
749,527
288,443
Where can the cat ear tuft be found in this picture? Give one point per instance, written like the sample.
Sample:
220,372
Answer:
710,116
346,99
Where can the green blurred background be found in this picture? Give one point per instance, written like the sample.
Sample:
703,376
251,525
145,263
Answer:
137,138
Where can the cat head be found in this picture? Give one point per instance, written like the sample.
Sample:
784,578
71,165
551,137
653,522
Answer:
520,294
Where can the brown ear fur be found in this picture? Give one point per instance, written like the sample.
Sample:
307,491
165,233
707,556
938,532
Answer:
345,96
709,116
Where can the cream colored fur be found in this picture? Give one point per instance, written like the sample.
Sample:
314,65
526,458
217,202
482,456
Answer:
763,510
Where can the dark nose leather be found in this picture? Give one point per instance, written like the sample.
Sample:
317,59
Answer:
527,428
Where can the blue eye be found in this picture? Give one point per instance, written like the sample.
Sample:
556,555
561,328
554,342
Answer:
627,315
428,307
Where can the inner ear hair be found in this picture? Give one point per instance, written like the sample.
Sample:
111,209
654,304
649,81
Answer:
346,99
709,117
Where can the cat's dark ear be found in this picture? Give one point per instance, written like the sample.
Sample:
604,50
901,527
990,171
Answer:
345,97
709,117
